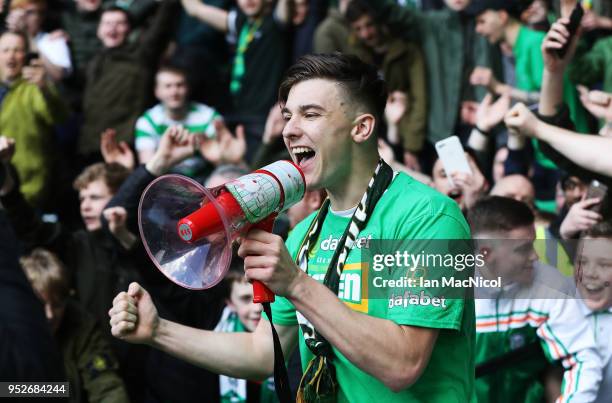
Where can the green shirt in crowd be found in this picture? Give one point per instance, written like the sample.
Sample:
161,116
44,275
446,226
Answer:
408,210
592,66
529,70
28,115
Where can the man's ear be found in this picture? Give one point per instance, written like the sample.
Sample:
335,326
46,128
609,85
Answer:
230,304
363,127
487,253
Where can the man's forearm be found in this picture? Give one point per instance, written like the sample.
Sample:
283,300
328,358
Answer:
396,355
551,96
579,148
233,354
214,16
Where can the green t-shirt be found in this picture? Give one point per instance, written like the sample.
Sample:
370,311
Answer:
529,69
408,210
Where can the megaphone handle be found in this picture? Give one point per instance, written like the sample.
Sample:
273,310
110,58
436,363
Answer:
261,293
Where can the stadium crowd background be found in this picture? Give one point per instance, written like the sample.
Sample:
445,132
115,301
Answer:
100,97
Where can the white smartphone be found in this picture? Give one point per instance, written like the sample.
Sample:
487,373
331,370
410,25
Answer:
451,153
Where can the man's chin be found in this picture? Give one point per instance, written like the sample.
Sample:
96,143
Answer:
457,6
112,43
598,304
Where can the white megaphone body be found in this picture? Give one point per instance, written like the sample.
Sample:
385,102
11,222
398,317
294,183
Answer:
188,230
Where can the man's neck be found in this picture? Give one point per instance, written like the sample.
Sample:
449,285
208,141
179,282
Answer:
350,190
253,18
177,114
511,32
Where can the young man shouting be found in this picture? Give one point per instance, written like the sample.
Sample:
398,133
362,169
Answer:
365,351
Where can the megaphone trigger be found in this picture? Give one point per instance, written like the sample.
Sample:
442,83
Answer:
261,293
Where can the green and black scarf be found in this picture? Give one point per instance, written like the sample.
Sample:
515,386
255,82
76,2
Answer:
319,382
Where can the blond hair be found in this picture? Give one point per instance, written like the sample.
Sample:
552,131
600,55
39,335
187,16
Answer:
15,4
113,176
46,273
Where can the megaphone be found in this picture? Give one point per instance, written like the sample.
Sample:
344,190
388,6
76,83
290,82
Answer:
188,230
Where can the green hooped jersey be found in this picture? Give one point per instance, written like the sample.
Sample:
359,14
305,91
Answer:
407,210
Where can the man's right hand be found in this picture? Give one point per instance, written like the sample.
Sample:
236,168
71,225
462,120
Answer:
114,151
520,120
556,38
489,114
133,317
579,218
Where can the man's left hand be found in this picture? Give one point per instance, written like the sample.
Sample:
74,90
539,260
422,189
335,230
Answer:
267,259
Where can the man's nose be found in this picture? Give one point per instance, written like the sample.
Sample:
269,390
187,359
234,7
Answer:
291,129
588,271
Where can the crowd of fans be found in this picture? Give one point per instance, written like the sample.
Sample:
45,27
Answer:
100,97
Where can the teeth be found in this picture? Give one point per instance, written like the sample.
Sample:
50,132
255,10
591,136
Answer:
592,288
301,150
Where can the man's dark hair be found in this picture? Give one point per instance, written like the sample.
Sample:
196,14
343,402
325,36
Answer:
170,68
117,9
514,8
357,9
496,213
600,230
360,81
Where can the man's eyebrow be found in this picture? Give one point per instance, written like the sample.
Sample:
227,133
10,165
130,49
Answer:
311,106
303,108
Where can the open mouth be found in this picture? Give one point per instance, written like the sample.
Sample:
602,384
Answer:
90,220
455,194
303,154
593,288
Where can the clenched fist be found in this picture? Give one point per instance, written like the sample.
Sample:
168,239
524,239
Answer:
520,120
133,317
